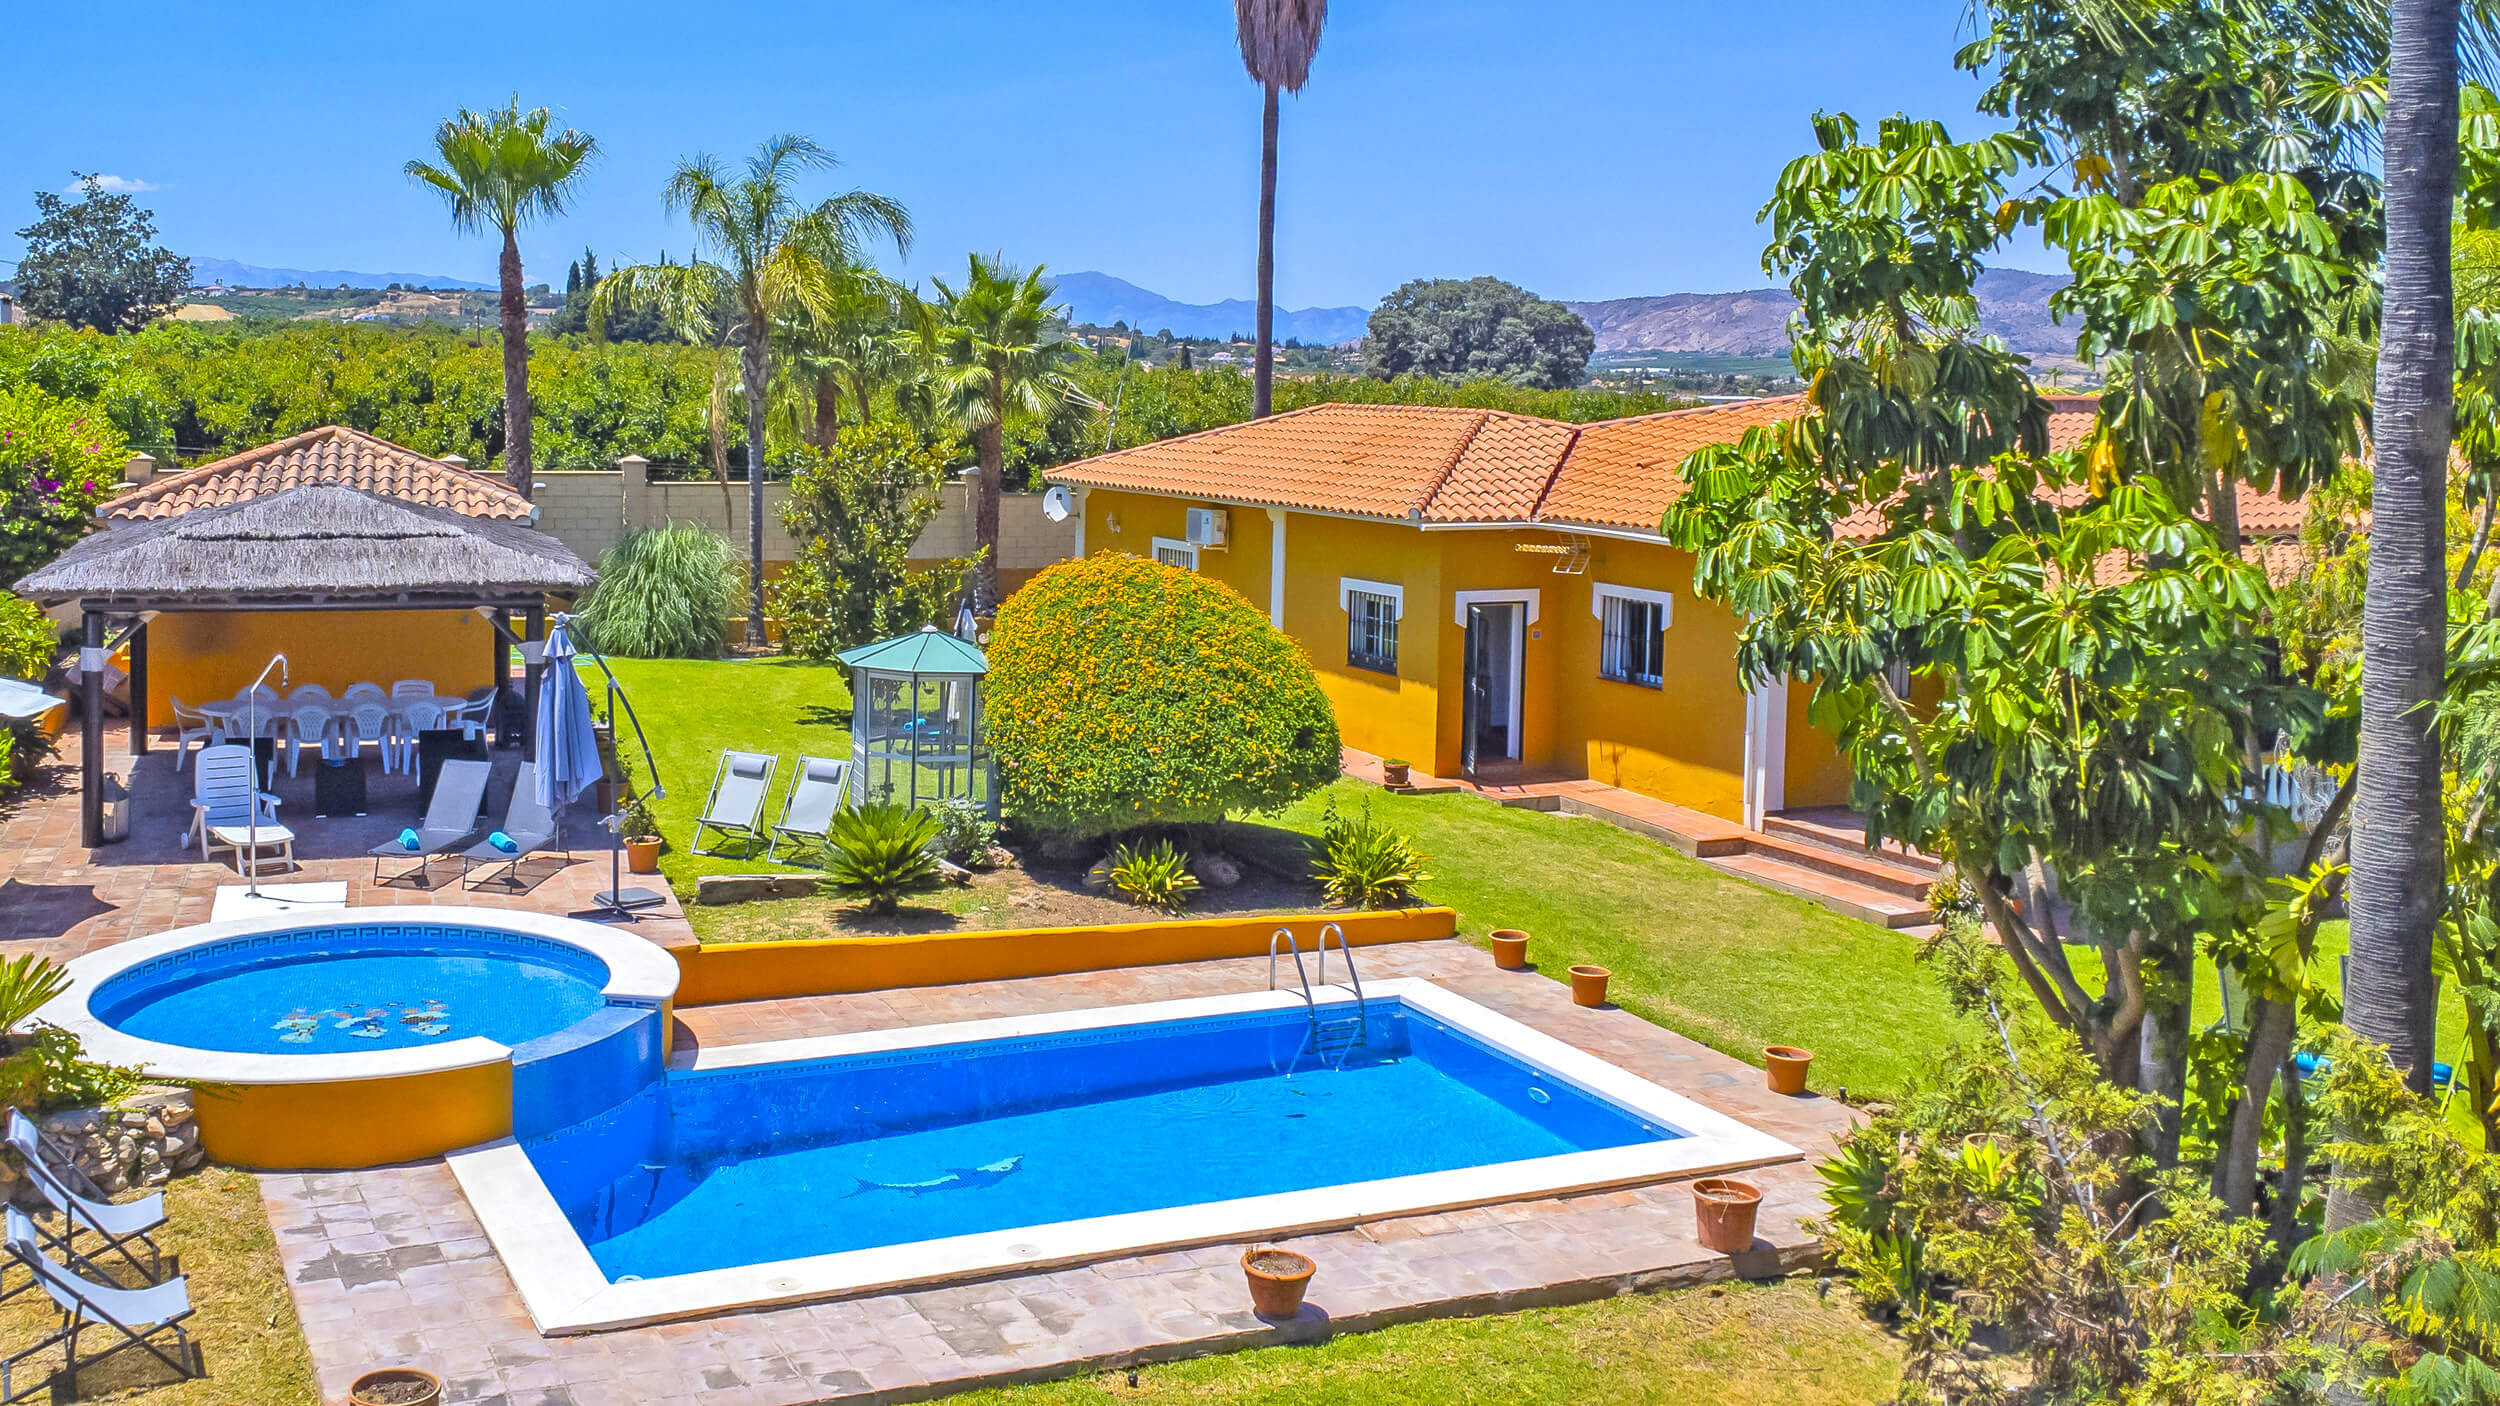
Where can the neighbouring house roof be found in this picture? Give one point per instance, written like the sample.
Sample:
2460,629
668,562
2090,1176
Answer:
332,454
313,545
927,650
1446,465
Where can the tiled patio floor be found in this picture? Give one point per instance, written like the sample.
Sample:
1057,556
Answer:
390,1266
59,898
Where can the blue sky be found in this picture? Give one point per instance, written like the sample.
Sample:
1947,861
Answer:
1586,150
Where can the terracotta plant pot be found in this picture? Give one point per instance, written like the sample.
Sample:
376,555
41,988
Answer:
1278,1279
1723,1212
396,1386
1786,1064
642,854
1510,949
1393,773
1588,985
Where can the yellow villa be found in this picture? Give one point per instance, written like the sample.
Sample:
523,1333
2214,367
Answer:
1487,595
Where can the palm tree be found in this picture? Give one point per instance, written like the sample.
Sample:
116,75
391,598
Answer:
760,257
994,344
500,170
1278,38
2397,847
856,344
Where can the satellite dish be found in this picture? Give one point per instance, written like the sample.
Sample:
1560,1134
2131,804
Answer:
1057,503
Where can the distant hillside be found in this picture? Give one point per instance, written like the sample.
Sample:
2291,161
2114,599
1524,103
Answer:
227,271
2013,305
1100,299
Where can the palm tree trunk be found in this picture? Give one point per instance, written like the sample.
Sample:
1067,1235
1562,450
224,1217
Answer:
828,411
2397,852
1263,374
512,310
758,376
989,448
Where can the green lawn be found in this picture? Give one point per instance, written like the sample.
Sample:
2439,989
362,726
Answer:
1736,1346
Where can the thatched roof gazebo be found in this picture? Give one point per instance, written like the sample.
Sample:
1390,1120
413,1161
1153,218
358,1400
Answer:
320,547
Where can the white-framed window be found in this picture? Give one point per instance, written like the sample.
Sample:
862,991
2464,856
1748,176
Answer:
1633,633
1372,611
1172,551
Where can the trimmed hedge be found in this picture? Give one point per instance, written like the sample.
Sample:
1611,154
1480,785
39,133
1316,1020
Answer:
1125,693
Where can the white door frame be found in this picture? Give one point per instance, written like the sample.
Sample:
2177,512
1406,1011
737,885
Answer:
1766,751
1529,600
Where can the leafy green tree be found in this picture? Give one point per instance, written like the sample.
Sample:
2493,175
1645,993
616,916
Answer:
995,351
1278,40
856,511
95,264
58,460
1477,327
499,170
762,255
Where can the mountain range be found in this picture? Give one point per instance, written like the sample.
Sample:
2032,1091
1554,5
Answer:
1100,299
227,271
2013,305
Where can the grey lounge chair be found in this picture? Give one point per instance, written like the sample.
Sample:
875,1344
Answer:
817,789
525,822
141,1316
459,794
736,805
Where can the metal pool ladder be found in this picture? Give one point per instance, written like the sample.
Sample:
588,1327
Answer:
1333,1038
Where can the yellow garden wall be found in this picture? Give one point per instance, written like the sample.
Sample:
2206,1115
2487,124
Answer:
357,1122
763,971
213,654
1818,775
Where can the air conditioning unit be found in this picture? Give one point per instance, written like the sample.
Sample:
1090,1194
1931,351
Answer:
1210,527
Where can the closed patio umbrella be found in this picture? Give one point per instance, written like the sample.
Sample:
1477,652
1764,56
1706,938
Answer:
568,752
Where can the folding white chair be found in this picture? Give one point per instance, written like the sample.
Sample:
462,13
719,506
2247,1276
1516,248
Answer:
736,805
817,788
140,1316
120,1225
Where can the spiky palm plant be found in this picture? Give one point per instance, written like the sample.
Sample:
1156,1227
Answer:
881,853
499,170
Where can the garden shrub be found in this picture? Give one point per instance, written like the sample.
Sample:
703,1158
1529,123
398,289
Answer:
663,593
1367,863
1125,693
856,512
58,459
29,641
1151,876
881,853
965,830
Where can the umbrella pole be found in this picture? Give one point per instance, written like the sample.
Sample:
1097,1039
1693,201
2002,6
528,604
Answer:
619,900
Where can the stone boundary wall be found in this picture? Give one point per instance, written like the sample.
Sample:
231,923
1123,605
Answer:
150,1139
588,509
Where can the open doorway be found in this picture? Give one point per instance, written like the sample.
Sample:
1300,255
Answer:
1489,716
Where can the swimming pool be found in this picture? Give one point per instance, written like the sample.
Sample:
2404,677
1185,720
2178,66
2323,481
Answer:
917,1156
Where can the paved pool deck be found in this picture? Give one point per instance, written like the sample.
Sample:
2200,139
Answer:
390,1267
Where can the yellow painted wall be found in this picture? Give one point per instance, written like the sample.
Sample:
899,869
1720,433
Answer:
356,1123
1485,561
1388,715
214,654
1818,775
758,971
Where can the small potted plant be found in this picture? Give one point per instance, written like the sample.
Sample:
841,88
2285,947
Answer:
642,838
1278,1279
1588,985
1787,1065
396,1386
1510,949
1723,1213
1392,772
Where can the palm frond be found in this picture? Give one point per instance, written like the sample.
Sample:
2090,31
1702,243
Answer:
503,168
1279,38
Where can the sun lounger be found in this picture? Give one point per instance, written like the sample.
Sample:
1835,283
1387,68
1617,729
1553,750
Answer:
817,789
230,811
142,1317
736,806
459,793
119,1225
526,824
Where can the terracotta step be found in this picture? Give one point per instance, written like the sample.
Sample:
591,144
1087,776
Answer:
1868,905
1834,827
1700,835
1899,877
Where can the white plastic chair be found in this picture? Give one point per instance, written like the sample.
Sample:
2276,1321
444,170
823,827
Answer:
309,693
414,718
413,688
359,692
141,1316
472,717
230,811
371,722
191,725
307,722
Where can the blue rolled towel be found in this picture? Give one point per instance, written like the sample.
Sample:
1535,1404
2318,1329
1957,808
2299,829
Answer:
504,842
408,840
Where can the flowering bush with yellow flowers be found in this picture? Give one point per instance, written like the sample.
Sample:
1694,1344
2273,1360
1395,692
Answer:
1126,693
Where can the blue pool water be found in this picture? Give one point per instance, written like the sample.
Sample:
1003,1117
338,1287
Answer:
780,1161
309,996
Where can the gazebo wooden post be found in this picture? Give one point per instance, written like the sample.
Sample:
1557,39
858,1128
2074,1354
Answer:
139,689
500,625
91,727
533,631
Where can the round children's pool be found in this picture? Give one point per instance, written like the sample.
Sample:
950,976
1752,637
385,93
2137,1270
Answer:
354,1037
325,990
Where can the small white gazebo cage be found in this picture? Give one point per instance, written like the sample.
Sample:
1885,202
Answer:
916,726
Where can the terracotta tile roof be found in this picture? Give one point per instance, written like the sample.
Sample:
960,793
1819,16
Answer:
331,454
1444,464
